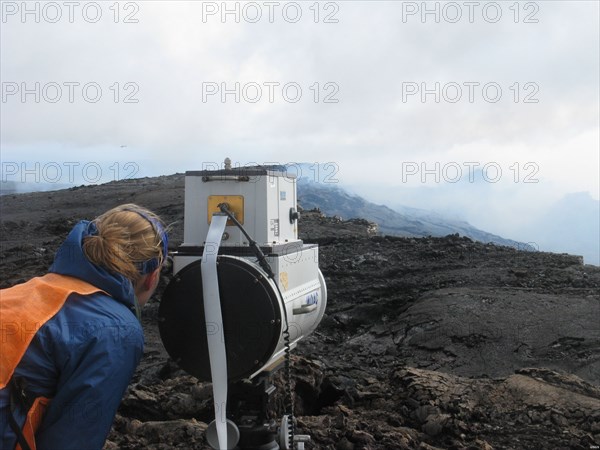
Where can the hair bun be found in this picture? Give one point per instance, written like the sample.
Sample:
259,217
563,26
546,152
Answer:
122,239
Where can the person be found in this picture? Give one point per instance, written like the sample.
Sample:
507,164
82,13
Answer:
71,340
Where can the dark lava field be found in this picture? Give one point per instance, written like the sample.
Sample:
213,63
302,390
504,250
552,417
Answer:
426,343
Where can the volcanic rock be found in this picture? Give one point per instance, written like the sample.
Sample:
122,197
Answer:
427,342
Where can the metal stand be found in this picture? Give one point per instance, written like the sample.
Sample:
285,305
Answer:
250,401
251,426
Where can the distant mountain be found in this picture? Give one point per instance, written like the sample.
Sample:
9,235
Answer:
14,187
411,222
8,187
319,191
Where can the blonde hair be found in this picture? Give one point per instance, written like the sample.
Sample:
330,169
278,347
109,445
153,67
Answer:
126,238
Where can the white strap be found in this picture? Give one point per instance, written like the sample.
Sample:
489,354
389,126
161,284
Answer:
214,325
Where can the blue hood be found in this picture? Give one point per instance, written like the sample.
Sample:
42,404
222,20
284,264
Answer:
70,260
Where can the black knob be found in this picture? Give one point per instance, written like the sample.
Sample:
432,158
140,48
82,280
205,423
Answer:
294,215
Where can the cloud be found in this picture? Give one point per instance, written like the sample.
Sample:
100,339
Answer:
358,105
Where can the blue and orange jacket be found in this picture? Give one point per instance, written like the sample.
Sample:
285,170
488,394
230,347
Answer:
82,358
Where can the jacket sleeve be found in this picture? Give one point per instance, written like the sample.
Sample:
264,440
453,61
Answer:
95,362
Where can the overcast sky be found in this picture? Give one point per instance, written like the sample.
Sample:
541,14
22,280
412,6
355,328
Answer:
403,97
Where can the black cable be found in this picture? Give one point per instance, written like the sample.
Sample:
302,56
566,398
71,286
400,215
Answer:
288,372
262,260
264,264
17,398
